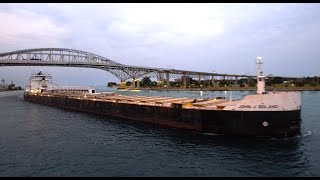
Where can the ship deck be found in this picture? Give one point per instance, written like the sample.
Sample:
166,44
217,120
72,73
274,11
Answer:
186,103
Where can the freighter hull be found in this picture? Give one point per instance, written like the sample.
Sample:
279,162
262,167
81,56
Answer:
257,123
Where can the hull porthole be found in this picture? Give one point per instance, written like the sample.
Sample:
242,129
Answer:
265,123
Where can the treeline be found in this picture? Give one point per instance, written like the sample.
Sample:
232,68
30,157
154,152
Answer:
299,82
250,82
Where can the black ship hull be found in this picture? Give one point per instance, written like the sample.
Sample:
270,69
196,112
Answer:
244,123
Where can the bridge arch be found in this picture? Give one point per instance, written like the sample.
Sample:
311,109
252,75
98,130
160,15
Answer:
63,57
56,54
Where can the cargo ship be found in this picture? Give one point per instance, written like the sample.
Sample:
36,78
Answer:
275,114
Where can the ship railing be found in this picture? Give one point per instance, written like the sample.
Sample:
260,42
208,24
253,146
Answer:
66,89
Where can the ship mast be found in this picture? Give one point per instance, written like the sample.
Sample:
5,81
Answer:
260,77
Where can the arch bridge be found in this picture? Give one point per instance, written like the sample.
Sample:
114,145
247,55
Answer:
76,58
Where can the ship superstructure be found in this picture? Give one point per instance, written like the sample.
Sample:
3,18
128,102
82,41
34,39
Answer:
42,82
39,82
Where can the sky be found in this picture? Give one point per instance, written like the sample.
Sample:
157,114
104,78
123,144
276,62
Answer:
213,37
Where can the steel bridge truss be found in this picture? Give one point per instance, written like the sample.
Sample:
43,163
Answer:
76,58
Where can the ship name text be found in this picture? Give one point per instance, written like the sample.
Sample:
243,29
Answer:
262,106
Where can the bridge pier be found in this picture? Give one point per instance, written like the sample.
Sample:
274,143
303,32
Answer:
135,83
184,80
160,82
167,79
212,80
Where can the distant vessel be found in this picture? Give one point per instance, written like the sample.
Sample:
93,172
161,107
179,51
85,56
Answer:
261,114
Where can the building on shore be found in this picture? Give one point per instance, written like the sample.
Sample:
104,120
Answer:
3,85
7,87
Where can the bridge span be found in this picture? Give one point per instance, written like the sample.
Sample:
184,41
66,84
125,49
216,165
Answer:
64,57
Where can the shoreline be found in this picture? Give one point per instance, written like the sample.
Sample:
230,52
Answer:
11,90
223,89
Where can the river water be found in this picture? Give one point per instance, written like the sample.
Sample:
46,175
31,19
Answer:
36,140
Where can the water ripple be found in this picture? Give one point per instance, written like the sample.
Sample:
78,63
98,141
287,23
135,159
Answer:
37,140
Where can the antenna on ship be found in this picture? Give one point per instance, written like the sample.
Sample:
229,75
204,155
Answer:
260,77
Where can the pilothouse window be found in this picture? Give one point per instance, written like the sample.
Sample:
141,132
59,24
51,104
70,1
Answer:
260,79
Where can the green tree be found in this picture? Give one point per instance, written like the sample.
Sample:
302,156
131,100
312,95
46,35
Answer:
153,84
252,82
128,83
299,83
313,84
269,82
242,82
110,84
145,82
224,83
